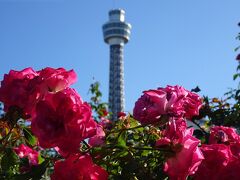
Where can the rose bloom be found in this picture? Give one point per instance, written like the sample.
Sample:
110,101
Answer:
187,156
25,88
24,151
218,163
99,138
222,134
231,171
226,135
175,129
54,80
16,90
105,123
78,167
173,101
63,120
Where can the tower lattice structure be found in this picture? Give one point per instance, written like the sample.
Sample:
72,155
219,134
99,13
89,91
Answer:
116,34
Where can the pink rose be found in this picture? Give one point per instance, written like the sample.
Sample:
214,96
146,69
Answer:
231,171
54,80
190,101
217,158
175,129
99,138
63,120
24,151
150,106
227,136
173,101
187,156
235,149
106,123
222,134
16,90
192,105
121,114
77,167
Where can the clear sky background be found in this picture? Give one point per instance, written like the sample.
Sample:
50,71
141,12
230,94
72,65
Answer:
185,42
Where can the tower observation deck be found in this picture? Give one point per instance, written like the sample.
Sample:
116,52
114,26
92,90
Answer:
116,33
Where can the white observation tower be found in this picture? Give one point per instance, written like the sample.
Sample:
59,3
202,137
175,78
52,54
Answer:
116,33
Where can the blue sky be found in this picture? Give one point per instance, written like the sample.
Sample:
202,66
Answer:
188,42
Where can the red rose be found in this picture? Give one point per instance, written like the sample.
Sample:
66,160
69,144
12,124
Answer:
54,80
187,156
217,157
16,90
231,171
63,120
222,134
99,138
173,101
24,151
106,123
121,114
78,168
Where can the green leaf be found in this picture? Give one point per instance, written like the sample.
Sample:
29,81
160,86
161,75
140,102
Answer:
236,49
9,159
29,137
40,159
235,76
133,122
121,142
146,152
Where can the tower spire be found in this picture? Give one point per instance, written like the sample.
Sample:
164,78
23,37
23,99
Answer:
116,33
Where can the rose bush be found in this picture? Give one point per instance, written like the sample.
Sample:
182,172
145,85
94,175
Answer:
48,130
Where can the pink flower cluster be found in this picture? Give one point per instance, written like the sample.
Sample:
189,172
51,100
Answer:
186,155
59,117
170,106
222,155
173,101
